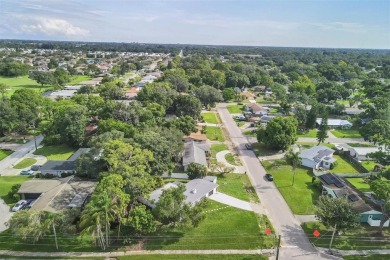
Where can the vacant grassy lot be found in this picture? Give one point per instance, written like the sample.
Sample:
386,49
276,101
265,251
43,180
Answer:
223,228
343,166
340,133
233,159
360,238
214,133
22,82
6,182
56,152
366,257
210,118
27,162
360,184
235,109
77,79
4,153
302,197
194,257
238,186
311,133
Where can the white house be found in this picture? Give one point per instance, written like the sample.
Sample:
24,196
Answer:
360,153
336,123
317,157
256,109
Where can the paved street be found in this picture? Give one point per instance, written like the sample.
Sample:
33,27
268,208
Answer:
295,244
19,154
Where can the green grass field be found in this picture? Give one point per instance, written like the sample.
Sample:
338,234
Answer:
194,257
224,227
6,182
238,186
250,133
366,257
4,153
342,166
235,109
56,152
311,133
340,133
77,79
210,118
360,238
22,82
302,197
27,162
360,184
214,133
216,148
233,159
369,165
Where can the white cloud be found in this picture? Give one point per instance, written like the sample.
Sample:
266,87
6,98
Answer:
51,26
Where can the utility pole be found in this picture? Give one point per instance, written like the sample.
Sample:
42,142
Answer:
331,241
35,140
55,236
277,249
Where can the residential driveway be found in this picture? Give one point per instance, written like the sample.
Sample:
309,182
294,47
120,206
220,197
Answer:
10,171
231,201
5,215
295,244
220,156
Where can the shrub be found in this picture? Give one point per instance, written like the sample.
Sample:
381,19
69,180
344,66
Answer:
12,194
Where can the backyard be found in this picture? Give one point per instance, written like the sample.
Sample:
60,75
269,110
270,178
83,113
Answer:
235,109
369,165
22,82
238,186
302,196
214,133
347,133
360,238
210,118
26,162
343,166
359,184
6,182
4,153
59,152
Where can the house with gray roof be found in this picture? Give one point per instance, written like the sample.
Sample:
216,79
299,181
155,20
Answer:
317,157
361,153
336,123
195,152
196,190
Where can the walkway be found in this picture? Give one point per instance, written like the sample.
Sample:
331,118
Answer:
220,156
305,218
209,124
231,201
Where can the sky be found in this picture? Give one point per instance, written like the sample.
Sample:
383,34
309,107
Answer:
290,23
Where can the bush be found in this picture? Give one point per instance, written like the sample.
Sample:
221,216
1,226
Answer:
12,194
332,165
52,139
66,174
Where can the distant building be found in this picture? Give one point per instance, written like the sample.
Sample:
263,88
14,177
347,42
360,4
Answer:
336,123
361,153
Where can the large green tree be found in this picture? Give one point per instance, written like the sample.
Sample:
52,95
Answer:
293,159
208,95
187,105
381,189
322,132
280,133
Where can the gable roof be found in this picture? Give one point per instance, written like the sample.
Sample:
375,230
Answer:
316,153
59,166
364,150
195,153
255,107
334,121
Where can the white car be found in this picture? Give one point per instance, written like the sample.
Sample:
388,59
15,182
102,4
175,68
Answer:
339,147
19,205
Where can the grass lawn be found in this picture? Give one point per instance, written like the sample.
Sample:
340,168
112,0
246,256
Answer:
224,227
233,159
360,238
25,163
250,133
301,197
78,78
210,118
239,123
311,133
214,133
6,182
216,148
360,145
340,133
366,257
56,152
235,109
194,257
261,150
343,166
359,184
4,153
369,165
238,186
22,82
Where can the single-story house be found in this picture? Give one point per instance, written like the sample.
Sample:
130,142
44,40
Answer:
196,190
353,111
56,168
197,137
266,119
195,152
317,157
256,109
361,153
337,187
65,93
249,95
56,194
336,123
132,93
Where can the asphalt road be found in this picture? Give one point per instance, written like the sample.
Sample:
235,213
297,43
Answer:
19,154
295,244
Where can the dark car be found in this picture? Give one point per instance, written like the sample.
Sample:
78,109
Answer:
248,146
35,167
28,205
269,177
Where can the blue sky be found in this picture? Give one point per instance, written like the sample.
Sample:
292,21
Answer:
301,23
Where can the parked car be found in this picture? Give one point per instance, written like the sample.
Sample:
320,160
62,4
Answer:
241,118
28,205
269,177
19,205
249,146
35,167
26,172
339,147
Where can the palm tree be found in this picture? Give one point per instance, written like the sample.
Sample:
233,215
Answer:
293,159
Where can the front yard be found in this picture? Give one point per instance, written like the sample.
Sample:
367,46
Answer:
26,162
214,133
4,153
238,186
216,148
261,150
363,237
233,159
56,152
210,118
340,133
310,133
235,109
6,182
302,197
343,166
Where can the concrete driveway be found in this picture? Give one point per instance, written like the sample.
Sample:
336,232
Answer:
220,156
5,215
231,201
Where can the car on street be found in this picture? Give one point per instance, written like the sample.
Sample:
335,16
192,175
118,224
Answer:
19,205
26,172
269,177
35,167
248,146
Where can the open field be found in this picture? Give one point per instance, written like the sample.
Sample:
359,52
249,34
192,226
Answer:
238,186
56,152
300,197
4,153
6,182
26,162
214,133
340,133
77,79
360,238
22,82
